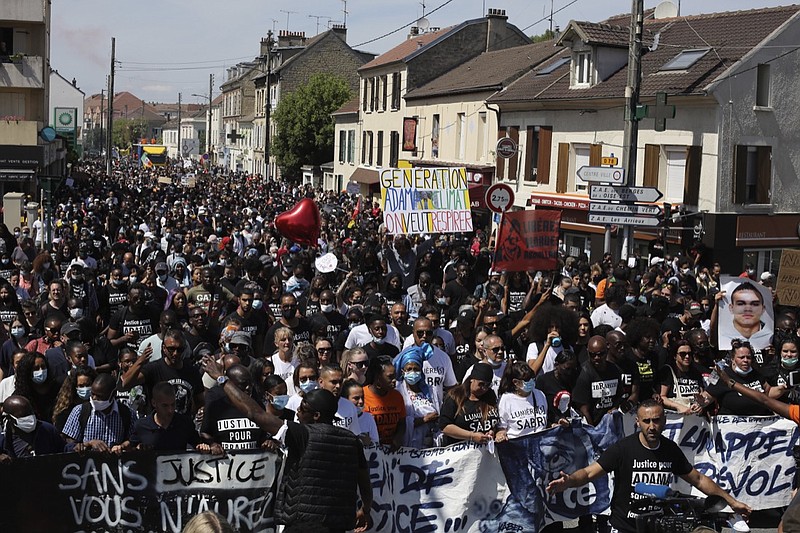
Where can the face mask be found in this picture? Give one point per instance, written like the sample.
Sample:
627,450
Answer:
703,276
352,325
162,277
16,234
308,386
684,271
789,362
258,304
17,332
288,313
376,340
100,405
412,378
84,393
630,299
740,371
441,301
528,386
279,402
133,279
46,265
25,423
76,313
118,282
39,376
326,308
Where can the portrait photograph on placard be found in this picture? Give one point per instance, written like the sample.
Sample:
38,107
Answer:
409,134
744,313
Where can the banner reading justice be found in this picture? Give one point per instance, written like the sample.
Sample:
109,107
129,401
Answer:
528,240
425,200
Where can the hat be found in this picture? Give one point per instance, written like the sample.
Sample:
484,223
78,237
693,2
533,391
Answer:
203,349
483,372
213,238
323,401
69,327
241,337
766,276
161,266
656,260
695,308
295,248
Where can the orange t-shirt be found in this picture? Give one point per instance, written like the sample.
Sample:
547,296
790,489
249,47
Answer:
388,411
794,413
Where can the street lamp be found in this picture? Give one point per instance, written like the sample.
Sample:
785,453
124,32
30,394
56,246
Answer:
268,105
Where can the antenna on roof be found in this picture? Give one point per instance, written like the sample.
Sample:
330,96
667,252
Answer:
344,12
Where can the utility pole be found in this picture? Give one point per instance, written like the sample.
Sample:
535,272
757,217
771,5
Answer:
180,153
208,131
110,126
631,135
102,142
268,109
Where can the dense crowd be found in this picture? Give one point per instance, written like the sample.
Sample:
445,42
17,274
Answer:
105,328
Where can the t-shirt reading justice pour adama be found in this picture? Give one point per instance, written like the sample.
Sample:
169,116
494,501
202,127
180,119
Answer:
632,462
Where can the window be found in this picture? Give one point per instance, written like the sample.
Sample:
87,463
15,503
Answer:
379,161
351,146
372,94
435,136
342,145
676,174
370,140
461,135
549,69
582,152
6,41
583,68
384,92
363,147
365,95
396,77
763,85
685,60
394,148
480,152
752,174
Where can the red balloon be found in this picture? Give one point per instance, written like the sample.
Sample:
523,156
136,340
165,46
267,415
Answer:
301,223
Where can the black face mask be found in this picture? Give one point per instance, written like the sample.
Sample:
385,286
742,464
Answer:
289,313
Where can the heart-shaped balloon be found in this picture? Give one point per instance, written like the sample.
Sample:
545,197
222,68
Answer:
301,223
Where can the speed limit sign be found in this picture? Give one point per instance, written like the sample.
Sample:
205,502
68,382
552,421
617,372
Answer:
499,197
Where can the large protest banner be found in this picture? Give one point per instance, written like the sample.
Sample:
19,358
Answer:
787,289
139,491
425,200
528,240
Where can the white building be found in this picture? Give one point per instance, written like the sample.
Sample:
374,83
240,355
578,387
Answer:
66,106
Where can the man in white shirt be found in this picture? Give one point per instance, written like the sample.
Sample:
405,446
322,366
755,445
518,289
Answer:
330,379
360,336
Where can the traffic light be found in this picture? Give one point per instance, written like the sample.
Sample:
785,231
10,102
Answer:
666,215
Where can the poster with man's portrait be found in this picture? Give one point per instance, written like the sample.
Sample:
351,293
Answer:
744,313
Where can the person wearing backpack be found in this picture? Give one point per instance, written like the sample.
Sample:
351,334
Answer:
103,424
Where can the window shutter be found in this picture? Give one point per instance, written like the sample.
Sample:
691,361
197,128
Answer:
545,148
563,167
691,191
500,172
652,154
595,155
530,133
763,185
740,175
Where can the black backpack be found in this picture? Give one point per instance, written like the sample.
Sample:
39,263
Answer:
86,411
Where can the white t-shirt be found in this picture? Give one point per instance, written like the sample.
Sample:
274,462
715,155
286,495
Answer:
286,371
522,416
7,387
347,414
549,358
368,426
360,336
498,375
605,315
447,337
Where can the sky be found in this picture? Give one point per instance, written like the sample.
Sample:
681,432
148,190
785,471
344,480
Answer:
164,47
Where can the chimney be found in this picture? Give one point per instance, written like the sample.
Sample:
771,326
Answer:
340,30
266,44
290,38
413,32
496,28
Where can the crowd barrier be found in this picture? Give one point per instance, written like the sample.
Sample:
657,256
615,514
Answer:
460,488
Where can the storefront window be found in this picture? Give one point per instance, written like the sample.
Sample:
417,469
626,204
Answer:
764,260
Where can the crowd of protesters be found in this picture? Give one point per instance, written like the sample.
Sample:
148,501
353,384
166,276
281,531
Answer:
105,327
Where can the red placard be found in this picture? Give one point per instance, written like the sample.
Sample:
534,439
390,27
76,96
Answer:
528,240
409,134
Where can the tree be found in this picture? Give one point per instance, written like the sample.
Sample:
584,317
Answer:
304,127
546,36
127,131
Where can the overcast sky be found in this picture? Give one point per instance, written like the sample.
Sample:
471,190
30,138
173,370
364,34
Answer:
201,37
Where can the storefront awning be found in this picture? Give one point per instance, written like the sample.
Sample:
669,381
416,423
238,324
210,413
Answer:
365,175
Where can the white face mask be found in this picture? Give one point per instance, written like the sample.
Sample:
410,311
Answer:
376,340
100,405
326,308
39,376
25,423
76,313
17,332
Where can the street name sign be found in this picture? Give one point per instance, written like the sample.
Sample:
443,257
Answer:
602,174
624,194
622,220
625,209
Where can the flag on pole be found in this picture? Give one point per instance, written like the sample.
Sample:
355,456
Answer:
146,163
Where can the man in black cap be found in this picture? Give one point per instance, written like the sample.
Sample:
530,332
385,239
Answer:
324,465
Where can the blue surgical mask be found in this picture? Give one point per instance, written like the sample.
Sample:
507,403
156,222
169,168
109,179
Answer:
258,304
789,362
308,386
630,299
412,378
280,401
740,371
528,386
39,376
18,332
84,393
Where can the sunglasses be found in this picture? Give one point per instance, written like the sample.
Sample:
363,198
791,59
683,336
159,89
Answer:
359,364
424,332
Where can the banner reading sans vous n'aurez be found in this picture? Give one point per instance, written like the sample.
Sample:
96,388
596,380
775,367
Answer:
425,200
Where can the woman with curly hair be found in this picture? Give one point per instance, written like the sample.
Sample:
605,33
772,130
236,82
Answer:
469,412
76,389
34,381
642,335
553,328
44,268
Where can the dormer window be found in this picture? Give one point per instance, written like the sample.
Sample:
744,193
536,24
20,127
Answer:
582,69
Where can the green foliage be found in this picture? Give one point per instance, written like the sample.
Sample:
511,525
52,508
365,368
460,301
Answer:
546,36
127,131
304,129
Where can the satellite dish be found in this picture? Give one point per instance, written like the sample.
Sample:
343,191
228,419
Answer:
666,10
423,24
